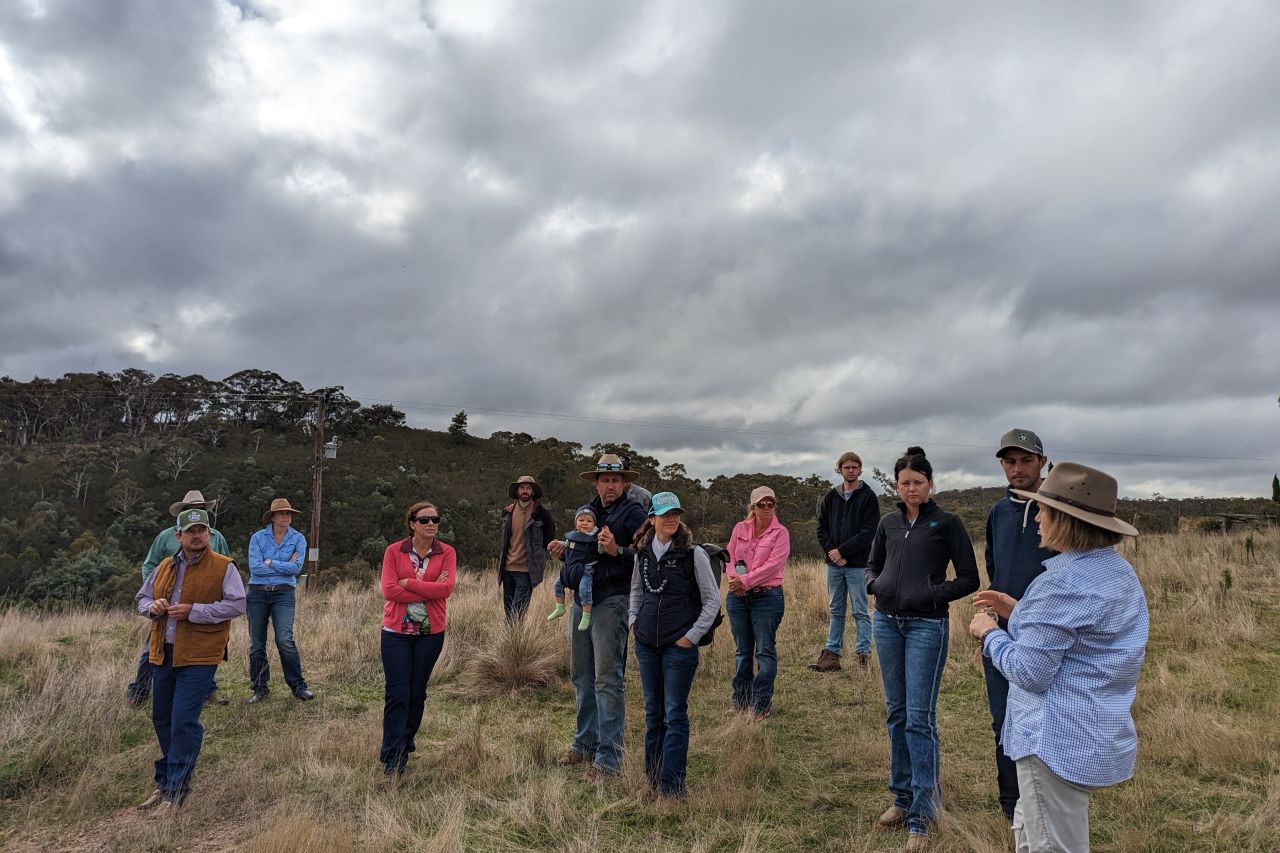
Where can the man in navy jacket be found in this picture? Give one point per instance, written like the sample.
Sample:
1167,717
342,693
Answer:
1014,560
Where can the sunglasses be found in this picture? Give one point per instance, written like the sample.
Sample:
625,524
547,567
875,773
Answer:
610,466
766,504
428,519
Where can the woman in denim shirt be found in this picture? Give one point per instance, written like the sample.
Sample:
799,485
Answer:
907,573
1072,653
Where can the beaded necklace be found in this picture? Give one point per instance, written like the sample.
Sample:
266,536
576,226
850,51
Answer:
644,577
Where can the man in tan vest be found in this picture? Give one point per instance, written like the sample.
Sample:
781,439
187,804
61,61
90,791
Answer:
191,599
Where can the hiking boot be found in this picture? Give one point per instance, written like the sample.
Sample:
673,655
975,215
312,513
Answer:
895,817
572,757
596,773
864,661
152,801
828,661
917,841
165,810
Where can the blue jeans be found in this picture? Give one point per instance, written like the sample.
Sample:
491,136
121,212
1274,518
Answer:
179,693
1006,770
517,589
139,690
276,605
754,619
666,675
846,583
912,655
597,666
407,661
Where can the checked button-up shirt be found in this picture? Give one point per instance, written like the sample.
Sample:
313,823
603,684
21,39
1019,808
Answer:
1072,654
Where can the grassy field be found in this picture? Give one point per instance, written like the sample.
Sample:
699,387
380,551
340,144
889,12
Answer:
285,775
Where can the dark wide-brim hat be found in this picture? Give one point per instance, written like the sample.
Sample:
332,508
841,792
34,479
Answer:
1081,492
279,505
611,463
537,490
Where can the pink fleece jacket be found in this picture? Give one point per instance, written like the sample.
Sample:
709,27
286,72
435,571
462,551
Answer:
433,589
765,555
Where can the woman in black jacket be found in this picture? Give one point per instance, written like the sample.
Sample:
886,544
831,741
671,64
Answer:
907,573
675,597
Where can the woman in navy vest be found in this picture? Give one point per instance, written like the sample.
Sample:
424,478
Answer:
675,597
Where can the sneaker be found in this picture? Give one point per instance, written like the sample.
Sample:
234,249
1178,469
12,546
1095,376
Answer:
572,757
155,799
828,661
893,818
216,698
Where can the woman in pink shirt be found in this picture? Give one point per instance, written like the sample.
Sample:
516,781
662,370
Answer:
758,551
418,574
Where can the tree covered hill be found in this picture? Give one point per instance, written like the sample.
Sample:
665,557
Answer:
89,464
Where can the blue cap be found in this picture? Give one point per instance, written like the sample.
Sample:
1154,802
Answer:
665,502
586,509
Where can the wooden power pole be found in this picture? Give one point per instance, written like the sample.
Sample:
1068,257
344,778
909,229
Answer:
317,482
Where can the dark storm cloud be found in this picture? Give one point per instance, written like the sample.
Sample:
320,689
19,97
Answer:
830,225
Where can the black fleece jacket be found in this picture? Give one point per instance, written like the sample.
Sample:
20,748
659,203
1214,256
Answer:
849,525
907,569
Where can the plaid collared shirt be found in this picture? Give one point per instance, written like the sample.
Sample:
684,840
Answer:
1072,655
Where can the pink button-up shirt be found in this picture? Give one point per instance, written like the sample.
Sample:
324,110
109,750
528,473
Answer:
765,555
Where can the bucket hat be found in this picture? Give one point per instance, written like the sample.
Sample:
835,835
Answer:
537,490
279,505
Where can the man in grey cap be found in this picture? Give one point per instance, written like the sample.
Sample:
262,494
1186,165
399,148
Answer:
166,545
527,528
1014,560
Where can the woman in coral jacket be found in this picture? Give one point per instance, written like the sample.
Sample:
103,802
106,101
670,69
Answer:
418,574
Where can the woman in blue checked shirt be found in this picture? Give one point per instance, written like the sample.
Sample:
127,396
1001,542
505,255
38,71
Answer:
1072,655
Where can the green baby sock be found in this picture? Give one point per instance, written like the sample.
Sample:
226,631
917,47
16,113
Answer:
585,622
557,613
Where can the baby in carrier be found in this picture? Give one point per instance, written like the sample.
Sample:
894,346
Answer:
580,554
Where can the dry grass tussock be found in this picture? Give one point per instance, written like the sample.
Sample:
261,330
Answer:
288,775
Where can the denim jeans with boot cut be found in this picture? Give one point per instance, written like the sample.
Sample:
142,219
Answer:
276,605
666,675
407,661
847,590
139,690
754,619
912,653
597,666
178,695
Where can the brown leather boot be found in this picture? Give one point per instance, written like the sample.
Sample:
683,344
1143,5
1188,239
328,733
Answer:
828,661
895,817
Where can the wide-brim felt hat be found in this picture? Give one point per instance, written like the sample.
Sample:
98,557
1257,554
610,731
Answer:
279,505
190,501
537,490
610,463
1081,492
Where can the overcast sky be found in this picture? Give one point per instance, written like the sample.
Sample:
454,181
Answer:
747,236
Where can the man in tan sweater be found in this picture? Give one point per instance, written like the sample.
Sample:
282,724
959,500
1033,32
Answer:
526,529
